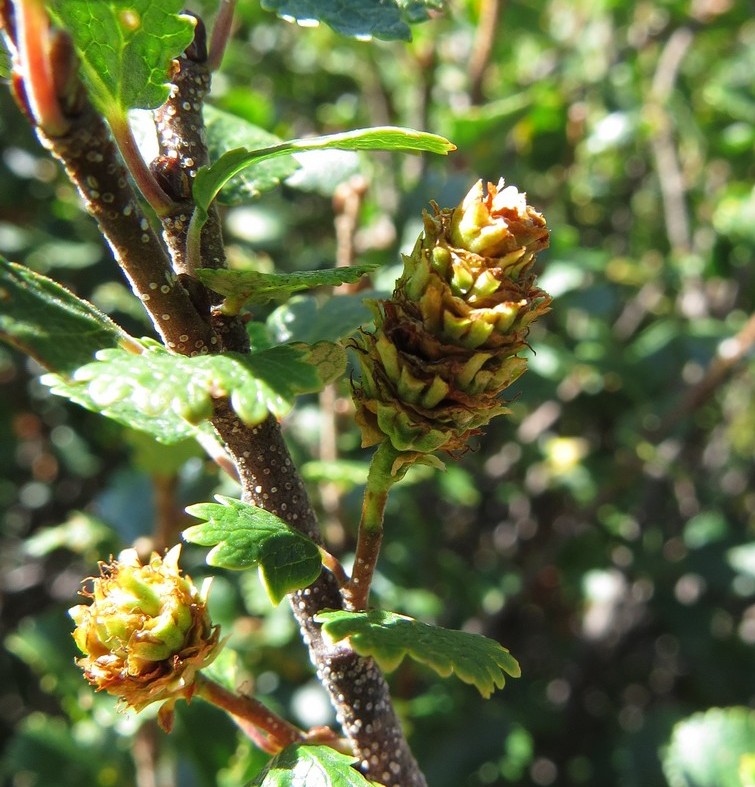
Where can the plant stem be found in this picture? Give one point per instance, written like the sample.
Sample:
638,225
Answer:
380,479
267,729
33,27
145,181
356,686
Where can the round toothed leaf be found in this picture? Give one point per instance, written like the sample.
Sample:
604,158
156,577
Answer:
173,393
244,536
126,48
388,637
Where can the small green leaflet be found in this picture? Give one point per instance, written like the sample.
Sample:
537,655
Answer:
226,131
159,384
364,19
300,765
126,47
210,180
49,323
241,287
244,536
388,637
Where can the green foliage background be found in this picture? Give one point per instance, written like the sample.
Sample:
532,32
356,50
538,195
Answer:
604,532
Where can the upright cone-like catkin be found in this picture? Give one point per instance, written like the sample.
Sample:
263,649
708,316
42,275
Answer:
446,344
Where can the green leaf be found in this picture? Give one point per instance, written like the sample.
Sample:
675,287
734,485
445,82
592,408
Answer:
210,180
711,749
388,637
322,171
81,533
244,536
240,287
300,765
354,18
226,132
177,392
419,10
126,47
166,427
49,323
156,458
305,319
6,64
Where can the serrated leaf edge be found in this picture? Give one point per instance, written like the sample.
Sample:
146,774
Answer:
506,664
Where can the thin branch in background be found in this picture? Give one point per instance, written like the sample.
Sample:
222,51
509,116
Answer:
150,771
347,203
168,514
730,353
670,177
482,47
221,33
423,65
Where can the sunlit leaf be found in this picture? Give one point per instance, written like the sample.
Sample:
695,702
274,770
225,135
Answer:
310,766
174,388
388,637
245,536
126,48
241,287
226,131
211,179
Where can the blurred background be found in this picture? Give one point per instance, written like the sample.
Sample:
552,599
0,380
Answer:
604,532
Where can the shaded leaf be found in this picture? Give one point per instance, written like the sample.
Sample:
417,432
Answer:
305,319
240,287
126,49
322,171
419,10
175,391
51,324
226,131
314,766
244,536
354,18
388,637
711,749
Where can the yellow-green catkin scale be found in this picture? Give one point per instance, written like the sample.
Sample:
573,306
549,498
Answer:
448,343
